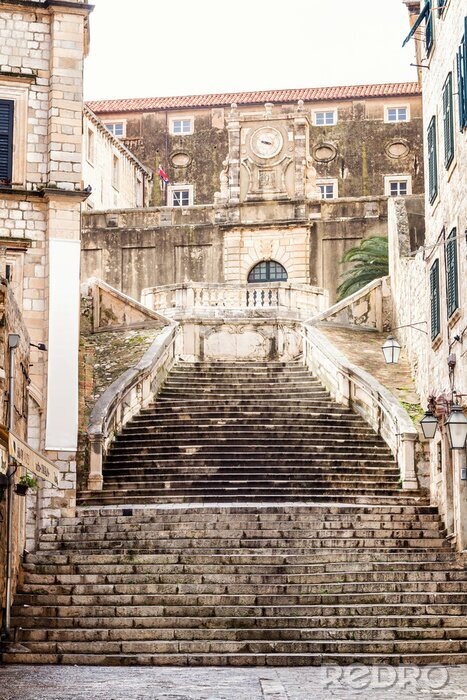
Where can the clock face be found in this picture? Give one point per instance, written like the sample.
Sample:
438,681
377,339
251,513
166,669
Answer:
266,142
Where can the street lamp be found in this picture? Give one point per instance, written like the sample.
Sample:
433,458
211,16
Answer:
428,424
391,350
456,426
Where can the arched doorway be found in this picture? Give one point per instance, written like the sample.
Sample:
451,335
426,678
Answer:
267,271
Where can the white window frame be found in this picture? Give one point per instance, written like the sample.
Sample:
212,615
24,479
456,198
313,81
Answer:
116,164
320,182
177,187
397,178
396,121
182,118
113,123
325,111
19,94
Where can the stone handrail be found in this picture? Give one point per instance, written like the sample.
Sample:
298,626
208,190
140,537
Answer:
196,298
355,388
126,396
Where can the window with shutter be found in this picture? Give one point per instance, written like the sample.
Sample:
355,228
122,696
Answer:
462,79
432,160
452,286
429,28
448,122
6,141
434,299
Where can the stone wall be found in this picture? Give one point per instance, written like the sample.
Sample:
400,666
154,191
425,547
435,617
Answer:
133,250
358,147
445,210
12,322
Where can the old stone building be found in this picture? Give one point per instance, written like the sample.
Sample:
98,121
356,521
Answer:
116,177
41,193
292,185
363,139
434,277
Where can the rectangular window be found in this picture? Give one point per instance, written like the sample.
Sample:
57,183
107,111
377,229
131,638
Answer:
432,160
429,28
327,191
328,188
452,286
434,299
181,126
397,114
90,146
115,171
116,128
180,195
462,79
397,185
398,188
6,141
448,122
325,118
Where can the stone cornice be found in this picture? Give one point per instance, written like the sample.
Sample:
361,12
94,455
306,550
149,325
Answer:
46,4
44,193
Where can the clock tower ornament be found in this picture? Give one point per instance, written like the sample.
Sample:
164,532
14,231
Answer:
269,156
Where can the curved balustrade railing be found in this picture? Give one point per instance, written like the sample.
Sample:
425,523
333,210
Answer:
126,396
355,388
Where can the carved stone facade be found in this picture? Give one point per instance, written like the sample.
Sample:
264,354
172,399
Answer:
352,139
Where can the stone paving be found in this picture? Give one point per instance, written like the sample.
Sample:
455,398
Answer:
97,683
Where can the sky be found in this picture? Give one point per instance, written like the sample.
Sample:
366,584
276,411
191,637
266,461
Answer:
155,48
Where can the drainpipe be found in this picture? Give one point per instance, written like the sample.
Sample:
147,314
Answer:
13,342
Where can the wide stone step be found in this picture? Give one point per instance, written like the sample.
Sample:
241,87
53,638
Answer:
237,660
116,625
234,589
457,646
240,634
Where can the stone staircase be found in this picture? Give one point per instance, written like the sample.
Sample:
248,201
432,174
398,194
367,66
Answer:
274,533
256,431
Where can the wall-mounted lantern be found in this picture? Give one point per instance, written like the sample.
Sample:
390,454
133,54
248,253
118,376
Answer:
391,350
456,426
428,424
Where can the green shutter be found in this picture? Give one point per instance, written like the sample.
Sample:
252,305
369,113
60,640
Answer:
448,122
434,299
6,140
452,286
429,29
432,160
462,79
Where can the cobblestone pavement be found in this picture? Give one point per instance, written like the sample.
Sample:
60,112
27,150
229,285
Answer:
97,683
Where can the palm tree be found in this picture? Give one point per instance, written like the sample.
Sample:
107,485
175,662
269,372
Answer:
370,260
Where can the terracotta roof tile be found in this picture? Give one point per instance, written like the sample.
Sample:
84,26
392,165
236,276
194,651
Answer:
148,104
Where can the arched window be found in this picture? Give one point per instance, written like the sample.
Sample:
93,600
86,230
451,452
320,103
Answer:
267,271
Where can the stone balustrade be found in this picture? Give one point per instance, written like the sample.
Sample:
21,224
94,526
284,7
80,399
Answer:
353,387
193,299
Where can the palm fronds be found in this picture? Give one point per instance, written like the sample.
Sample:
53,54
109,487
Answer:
370,260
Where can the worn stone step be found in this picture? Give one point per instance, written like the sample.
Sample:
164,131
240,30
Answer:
237,660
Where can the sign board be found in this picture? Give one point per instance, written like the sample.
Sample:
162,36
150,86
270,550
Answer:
3,459
34,462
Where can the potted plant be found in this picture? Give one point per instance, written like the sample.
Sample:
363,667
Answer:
26,482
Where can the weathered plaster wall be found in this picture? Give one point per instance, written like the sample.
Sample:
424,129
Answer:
360,142
133,250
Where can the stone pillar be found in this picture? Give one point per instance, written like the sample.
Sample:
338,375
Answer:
233,130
